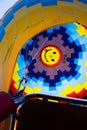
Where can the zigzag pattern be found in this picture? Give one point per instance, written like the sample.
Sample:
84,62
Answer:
69,78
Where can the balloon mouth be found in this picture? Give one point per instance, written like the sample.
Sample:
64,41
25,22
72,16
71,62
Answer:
51,56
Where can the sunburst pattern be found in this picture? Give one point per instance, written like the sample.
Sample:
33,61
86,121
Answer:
69,77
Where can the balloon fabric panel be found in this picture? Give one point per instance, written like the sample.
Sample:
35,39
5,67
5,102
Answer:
53,62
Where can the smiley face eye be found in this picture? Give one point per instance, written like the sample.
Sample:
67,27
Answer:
54,52
52,60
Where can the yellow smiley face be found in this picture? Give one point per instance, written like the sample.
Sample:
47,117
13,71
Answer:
51,56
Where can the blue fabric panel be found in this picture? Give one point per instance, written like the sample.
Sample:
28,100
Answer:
2,32
8,18
18,6
68,0
83,1
49,2
31,2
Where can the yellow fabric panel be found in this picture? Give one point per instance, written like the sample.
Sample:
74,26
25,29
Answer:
16,68
62,94
16,85
66,6
67,17
28,90
16,77
81,31
66,11
34,15
80,5
86,75
81,16
2,88
21,87
50,13
20,19
81,12
10,33
32,90
85,64
78,88
85,84
68,90
3,48
36,89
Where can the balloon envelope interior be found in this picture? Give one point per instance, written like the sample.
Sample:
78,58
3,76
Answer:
53,62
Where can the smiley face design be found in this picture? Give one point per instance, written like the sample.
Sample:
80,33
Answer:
51,55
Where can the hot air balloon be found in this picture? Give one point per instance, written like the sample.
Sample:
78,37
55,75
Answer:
43,50
53,62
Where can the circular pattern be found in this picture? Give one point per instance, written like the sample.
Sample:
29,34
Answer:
55,62
51,56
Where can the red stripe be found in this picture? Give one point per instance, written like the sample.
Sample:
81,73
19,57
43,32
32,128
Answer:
12,88
85,26
82,94
73,94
